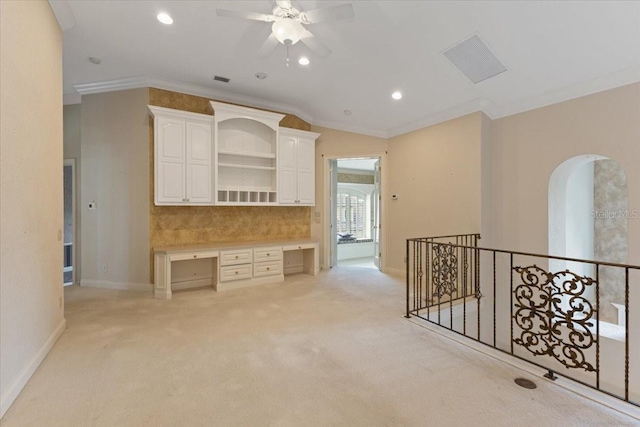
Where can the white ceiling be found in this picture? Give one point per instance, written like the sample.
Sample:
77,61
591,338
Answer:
553,50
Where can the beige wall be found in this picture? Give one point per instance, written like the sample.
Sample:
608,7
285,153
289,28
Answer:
436,173
340,144
115,174
526,148
31,312
72,124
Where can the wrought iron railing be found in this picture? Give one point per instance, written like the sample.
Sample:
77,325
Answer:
547,310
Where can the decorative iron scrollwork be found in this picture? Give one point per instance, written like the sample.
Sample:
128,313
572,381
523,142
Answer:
554,315
445,269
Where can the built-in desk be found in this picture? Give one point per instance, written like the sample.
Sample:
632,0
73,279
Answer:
239,264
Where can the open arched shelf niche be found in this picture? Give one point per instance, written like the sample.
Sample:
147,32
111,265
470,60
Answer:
588,219
246,155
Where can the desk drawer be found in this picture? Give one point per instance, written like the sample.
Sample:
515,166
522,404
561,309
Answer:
267,268
193,255
243,256
267,254
235,272
300,246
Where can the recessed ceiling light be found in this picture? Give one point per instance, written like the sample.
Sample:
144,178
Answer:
396,95
303,61
95,60
347,112
261,76
165,18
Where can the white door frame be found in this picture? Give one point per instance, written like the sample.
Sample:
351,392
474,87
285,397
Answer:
74,218
326,232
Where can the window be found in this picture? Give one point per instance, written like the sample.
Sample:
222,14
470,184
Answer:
353,213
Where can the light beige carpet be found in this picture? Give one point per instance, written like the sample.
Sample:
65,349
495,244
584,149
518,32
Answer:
327,351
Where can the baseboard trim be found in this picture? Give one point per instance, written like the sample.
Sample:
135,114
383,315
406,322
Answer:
122,286
584,391
15,389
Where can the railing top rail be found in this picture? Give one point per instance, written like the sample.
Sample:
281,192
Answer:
444,237
503,251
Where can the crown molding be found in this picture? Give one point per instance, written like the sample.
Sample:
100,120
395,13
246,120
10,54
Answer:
493,111
378,133
473,106
600,84
189,89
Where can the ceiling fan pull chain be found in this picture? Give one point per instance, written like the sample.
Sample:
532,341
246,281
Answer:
287,55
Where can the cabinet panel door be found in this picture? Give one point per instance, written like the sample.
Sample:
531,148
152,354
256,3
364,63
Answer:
198,163
287,159
170,157
306,171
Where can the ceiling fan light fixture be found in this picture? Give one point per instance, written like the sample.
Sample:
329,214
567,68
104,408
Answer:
304,61
287,31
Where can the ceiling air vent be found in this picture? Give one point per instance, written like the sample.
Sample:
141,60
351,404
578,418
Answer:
474,58
221,79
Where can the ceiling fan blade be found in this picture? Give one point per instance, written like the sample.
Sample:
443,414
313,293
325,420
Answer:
344,11
285,4
254,16
268,46
314,45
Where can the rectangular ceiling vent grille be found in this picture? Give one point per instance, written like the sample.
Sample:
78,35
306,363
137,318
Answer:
474,59
221,79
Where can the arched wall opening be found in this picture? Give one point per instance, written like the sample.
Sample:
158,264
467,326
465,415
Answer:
587,220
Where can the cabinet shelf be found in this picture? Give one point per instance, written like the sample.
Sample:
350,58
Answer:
240,196
248,154
236,166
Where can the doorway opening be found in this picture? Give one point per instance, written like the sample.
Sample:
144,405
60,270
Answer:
69,173
588,219
355,212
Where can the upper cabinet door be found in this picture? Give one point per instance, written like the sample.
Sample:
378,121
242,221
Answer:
297,167
306,171
287,168
183,146
170,160
198,162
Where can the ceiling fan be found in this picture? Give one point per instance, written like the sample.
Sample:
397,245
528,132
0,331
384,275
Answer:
288,26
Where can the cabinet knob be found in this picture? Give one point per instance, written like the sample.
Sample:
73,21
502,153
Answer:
268,254
268,269
236,256
236,272
299,247
195,256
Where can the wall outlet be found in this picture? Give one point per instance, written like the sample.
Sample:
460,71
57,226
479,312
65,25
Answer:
104,268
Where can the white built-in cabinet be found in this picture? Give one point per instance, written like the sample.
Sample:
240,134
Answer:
182,157
246,155
240,156
296,167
